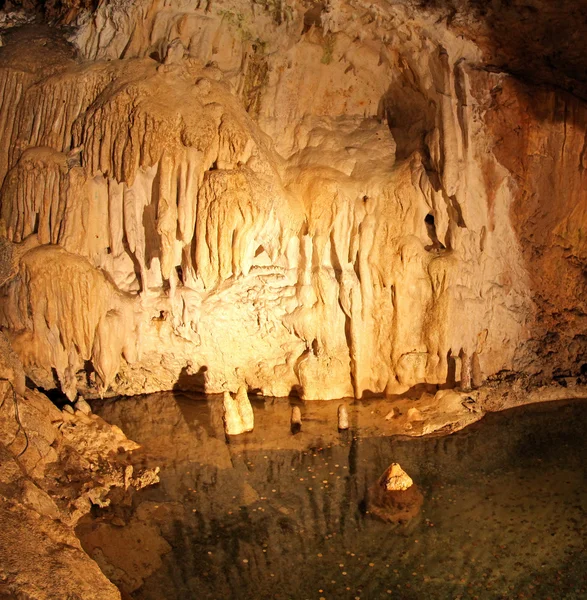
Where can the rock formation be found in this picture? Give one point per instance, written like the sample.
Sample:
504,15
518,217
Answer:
296,420
337,200
245,409
54,466
238,413
394,498
395,479
233,423
333,200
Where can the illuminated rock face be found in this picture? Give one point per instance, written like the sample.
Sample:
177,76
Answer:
395,479
269,197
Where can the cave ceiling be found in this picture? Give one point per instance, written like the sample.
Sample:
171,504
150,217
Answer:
538,41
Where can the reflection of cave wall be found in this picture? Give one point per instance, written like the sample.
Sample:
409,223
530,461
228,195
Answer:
347,235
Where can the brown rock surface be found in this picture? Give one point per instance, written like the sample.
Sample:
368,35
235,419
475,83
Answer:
545,152
54,465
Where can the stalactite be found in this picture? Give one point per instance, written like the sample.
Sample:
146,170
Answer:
300,241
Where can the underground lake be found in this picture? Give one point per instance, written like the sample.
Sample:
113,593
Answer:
270,514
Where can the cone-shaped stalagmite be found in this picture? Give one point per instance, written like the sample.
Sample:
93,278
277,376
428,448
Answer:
394,497
395,479
343,417
245,409
233,423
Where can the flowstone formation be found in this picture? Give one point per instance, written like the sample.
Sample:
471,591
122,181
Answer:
296,198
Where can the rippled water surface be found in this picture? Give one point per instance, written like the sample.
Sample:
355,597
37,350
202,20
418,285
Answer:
273,515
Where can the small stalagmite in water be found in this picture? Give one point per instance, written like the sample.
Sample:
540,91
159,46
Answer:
296,419
395,479
394,497
233,423
343,417
245,409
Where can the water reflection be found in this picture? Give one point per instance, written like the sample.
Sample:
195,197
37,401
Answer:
275,515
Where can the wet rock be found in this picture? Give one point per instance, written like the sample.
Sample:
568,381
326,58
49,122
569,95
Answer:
396,479
343,417
233,423
394,498
296,419
245,409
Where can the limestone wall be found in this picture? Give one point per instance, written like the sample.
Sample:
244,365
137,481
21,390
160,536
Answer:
328,200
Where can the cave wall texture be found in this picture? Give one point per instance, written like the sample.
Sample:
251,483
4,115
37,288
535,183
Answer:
332,199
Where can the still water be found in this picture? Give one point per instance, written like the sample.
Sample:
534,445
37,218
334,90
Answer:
275,515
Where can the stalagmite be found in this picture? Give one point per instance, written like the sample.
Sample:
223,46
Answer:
296,419
394,497
395,479
465,372
341,240
391,414
245,409
476,374
233,423
414,414
343,417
